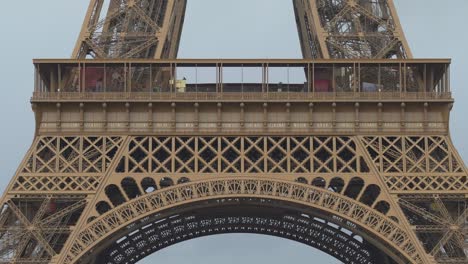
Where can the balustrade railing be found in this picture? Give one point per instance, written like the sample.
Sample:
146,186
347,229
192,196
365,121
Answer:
141,96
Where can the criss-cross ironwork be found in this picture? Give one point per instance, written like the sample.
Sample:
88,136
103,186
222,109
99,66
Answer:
347,150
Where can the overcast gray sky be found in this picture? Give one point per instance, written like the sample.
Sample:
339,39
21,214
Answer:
213,29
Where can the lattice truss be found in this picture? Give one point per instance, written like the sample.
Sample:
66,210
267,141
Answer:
58,164
242,155
415,163
35,228
441,223
345,208
361,29
129,29
340,165
432,182
48,195
328,29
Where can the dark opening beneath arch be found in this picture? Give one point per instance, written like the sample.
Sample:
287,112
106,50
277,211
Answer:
242,215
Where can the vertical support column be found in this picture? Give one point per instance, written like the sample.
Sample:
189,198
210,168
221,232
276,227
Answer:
59,115
426,116
311,115
82,116
219,155
403,115
164,31
53,81
150,116
219,116
314,27
356,115
128,117
242,154
264,80
447,79
380,115
265,116
219,79
242,115
36,79
92,15
104,116
334,115
173,116
196,143
196,119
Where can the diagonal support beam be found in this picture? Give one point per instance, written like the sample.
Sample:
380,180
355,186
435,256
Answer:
37,235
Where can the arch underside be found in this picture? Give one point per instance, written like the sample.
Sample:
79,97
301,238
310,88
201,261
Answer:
240,215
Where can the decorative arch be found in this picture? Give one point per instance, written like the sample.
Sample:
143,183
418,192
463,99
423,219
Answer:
239,215
340,210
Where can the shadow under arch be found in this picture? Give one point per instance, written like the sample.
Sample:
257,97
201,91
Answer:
317,217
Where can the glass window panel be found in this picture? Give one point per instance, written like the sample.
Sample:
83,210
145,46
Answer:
390,78
344,78
323,79
115,78
70,79
140,78
370,78
233,79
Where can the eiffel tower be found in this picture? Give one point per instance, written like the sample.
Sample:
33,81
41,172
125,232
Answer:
347,150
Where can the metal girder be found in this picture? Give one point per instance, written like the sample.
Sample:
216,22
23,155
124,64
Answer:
29,226
368,29
119,181
131,29
449,242
372,27
70,209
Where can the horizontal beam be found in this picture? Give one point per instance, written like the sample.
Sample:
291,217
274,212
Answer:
240,61
244,97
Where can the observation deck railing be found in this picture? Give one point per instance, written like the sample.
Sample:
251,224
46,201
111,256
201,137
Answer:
241,80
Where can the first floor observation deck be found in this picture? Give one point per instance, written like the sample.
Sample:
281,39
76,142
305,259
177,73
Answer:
241,80
242,96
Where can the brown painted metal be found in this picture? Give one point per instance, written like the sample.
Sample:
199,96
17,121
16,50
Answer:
328,29
129,157
350,29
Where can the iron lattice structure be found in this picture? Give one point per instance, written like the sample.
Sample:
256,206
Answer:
339,29
347,150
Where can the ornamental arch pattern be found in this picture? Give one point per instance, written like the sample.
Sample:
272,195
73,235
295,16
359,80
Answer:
346,212
128,158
